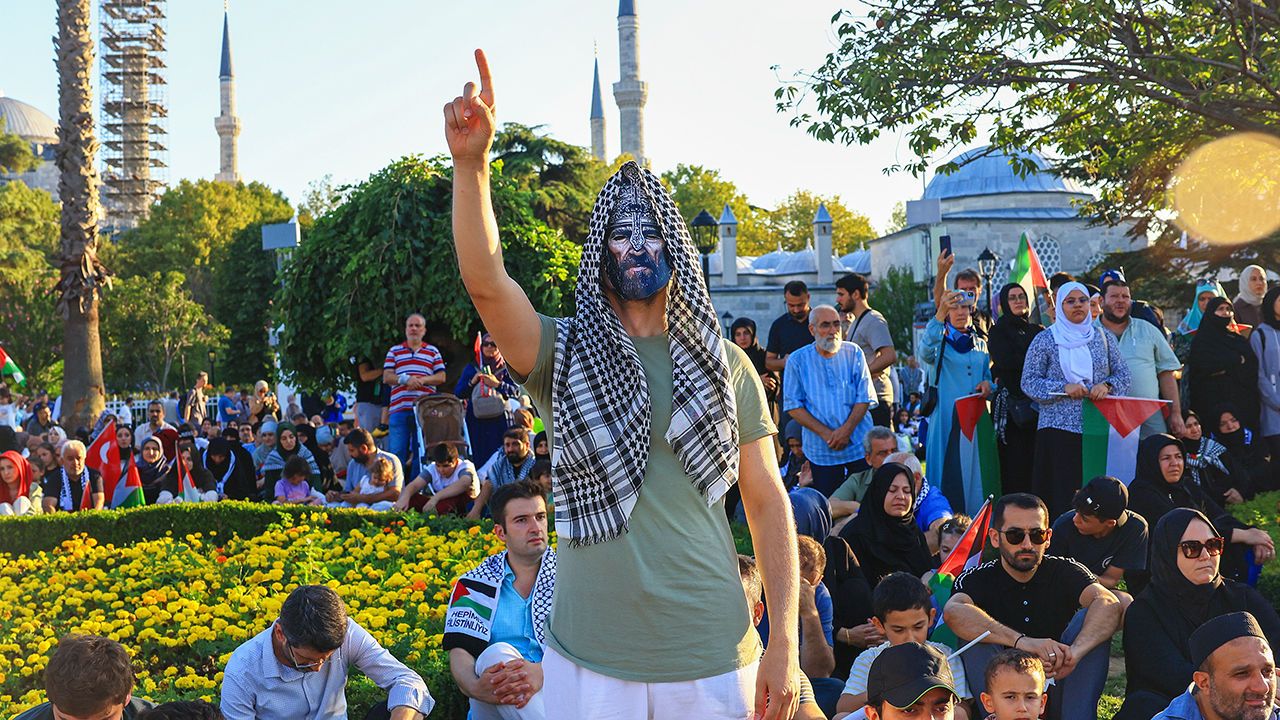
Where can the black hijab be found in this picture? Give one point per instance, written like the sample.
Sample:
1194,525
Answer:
234,475
753,351
1217,347
1009,340
885,544
1169,586
1268,309
1238,441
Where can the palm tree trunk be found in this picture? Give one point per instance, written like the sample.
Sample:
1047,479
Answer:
83,275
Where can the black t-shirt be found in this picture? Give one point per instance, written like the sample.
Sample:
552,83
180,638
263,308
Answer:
1041,608
52,487
1125,547
787,336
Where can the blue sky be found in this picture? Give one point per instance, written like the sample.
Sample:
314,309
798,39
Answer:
343,88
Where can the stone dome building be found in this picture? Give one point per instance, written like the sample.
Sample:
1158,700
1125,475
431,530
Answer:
41,131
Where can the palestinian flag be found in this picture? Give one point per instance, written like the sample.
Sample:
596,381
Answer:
10,369
1112,427
1028,273
972,468
966,554
474,596
123,489
187,489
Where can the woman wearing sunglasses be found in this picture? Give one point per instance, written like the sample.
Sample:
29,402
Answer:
1161,484
1187,589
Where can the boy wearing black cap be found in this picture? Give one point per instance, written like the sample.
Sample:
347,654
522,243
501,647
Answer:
1235,677
1103,534
910,681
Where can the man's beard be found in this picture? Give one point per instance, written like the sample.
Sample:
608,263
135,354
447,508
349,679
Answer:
1231,707
1025,563
829,345
1106,313
517,457
639,277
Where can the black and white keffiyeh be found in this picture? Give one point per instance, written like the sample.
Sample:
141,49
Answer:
468,623
600,400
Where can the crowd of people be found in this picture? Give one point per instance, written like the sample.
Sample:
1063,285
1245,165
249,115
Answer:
656,431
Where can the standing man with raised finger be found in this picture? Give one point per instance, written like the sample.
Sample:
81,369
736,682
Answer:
652,417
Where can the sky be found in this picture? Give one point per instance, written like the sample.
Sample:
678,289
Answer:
344,88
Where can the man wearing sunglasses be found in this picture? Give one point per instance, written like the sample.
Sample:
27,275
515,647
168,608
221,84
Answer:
297,668
1050,606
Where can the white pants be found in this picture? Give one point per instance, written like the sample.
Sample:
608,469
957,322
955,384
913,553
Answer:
21,506
533,710
574,693
165,497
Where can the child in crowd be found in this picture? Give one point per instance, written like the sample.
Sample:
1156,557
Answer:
904,613
540,475
447,485
540,446
1015,686
950,532
292,487
380,478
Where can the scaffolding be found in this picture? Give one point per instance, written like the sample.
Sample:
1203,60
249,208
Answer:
134,108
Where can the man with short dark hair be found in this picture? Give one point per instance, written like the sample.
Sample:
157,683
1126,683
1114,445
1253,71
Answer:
1103,534
494,628
1235,677
196,404
870,331
1151,361
788,333
297,668
510,464
445,486
154,424
1051,606
88,678
363,452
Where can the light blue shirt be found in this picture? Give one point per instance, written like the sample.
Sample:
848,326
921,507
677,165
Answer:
257,686
1184,707
513,620
828,388
357,471
1148,354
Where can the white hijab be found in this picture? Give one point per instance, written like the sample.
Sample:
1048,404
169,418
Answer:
1245,293
1073,339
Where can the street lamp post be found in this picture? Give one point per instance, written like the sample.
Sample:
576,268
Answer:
703,229
987,262
213,363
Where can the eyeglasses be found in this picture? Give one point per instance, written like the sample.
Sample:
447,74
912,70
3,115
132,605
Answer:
1191,549
1015,536
288,646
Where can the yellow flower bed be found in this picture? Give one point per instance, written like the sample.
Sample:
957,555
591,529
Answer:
181,605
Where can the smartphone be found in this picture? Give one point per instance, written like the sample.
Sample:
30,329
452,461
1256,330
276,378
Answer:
944,244
967,297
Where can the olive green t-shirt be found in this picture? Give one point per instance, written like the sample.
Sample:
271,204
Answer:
663,601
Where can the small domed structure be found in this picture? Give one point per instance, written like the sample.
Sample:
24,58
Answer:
989,172
41,132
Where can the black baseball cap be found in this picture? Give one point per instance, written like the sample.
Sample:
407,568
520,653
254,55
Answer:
1104,497
902,674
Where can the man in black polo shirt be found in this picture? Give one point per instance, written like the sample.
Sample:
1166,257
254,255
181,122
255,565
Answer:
1033,602
1102,534
788,333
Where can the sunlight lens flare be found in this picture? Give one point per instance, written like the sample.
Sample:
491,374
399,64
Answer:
1227,192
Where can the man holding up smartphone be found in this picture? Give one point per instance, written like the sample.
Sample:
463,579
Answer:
967,281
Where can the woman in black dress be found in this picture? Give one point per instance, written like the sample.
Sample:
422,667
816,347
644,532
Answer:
1014,415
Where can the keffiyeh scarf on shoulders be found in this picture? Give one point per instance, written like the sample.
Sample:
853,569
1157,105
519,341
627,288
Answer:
600,399
468,624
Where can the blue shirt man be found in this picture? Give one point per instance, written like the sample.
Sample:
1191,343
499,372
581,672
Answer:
829,391
228,408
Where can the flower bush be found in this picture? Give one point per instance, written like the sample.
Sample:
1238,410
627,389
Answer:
182,602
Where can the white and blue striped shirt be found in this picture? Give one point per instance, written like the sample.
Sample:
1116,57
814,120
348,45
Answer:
828,388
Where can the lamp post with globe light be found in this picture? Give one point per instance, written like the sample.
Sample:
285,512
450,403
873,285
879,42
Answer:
703,229
987,262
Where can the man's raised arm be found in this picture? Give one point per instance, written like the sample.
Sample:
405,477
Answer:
503,306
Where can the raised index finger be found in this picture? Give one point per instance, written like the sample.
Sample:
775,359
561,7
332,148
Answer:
486,79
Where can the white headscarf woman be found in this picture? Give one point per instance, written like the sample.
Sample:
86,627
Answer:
1248,302
1073,339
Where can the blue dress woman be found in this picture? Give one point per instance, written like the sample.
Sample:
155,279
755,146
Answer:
488,371
965,370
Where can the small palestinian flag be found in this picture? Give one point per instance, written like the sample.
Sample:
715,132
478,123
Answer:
971,470
187,489
1028,273
122,489
475,596
966,554
1112,428
9,369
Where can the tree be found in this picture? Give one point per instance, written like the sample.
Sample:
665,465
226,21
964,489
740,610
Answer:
563,179
244,285
895,296
1120,92
191,227
15,153
897,218
320,198
695,188
387,251
83,276
30,326
791,224
150,322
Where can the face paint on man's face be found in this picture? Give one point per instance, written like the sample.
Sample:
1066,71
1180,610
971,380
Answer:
636,259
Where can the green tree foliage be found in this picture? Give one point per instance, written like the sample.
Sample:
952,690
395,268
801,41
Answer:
897,219
191,227
695,188
15,153
149,323
1119,92
561,178
244,285
791,224
30,326
386,251
895,296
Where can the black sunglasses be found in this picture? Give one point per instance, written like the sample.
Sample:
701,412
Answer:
1015,536
488,344
1191,549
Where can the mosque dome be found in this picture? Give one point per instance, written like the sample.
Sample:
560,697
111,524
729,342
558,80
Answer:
27,122
769,261
804,261
992,174
858,261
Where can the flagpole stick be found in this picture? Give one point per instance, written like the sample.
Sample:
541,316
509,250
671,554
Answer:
970,644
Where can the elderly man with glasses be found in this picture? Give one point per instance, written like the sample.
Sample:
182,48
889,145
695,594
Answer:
297,668
1050,606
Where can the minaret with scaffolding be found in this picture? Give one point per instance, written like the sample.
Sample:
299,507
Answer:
134,108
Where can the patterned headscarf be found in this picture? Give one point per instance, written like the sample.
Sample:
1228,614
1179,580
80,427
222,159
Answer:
600,400
1191,322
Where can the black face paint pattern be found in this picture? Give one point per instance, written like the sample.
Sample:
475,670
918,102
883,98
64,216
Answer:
635,258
